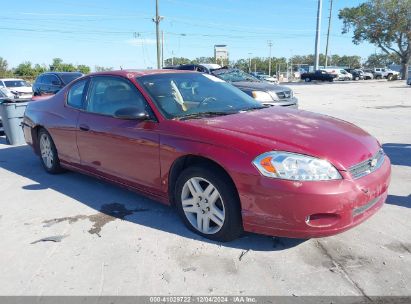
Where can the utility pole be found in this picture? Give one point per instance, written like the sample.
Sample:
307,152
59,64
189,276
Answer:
317,36
270,44
162,49
157,21
249,62
328,33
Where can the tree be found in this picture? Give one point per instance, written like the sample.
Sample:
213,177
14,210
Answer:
39,68
98,68
176,61
83,68
56,65
3,65
25,69
384,23
381,60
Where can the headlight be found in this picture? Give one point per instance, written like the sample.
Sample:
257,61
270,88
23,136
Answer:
292,166
262,96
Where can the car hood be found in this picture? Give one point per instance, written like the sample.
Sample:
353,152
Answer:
260,86
21,89
259,131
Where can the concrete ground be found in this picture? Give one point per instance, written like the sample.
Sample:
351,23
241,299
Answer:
71,234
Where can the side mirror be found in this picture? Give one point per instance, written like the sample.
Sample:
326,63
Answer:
55,82
132,113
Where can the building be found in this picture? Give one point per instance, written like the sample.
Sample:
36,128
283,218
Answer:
221,54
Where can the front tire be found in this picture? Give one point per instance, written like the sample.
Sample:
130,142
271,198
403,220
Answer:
48,153
307,79
208,204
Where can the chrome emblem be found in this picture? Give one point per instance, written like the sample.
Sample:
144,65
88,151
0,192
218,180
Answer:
373,162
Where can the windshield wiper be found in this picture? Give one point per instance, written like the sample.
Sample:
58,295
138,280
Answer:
205,114
254,108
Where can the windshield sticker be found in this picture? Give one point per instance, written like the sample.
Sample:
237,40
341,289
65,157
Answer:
213,78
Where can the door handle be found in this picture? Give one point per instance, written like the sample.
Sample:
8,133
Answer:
84,127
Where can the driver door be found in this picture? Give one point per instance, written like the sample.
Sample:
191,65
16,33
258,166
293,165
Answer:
120,149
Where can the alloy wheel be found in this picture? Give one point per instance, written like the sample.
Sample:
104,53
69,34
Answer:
203,205
46,151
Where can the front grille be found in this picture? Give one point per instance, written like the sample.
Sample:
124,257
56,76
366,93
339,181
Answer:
284,94
368,166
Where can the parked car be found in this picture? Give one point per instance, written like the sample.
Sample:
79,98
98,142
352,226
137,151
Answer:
368,74
380,73
341,73
320,75
267,93
50,83
203,68
356,74
16,87
225,161
268,78
409,79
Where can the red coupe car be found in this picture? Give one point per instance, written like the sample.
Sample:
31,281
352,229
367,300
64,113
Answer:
226,162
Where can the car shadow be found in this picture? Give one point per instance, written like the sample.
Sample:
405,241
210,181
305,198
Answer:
114,202
399,154
402,201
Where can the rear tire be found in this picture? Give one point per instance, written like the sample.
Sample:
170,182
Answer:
307,79
208,203
48,153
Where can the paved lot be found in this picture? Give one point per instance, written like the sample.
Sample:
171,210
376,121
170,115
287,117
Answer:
74,235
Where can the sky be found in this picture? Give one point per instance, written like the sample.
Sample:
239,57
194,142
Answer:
121,33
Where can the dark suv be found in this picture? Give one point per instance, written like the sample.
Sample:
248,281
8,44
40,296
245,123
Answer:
51,82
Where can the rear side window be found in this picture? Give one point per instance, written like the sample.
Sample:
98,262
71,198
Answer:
76,93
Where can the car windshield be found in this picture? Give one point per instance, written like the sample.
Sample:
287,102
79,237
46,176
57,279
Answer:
15,83
234,75
189,95
67,78
3,92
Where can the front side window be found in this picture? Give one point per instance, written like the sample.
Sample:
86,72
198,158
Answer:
76,93
179,95
109,94
47,79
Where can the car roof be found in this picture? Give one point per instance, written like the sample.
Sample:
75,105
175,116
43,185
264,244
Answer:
130,73
61,73
11,79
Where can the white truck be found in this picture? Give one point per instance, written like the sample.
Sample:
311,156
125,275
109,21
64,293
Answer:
380,73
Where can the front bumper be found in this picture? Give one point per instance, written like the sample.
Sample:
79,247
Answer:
287,102
311,209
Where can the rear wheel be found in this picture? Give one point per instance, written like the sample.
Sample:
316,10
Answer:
307,79
48,153
208,204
